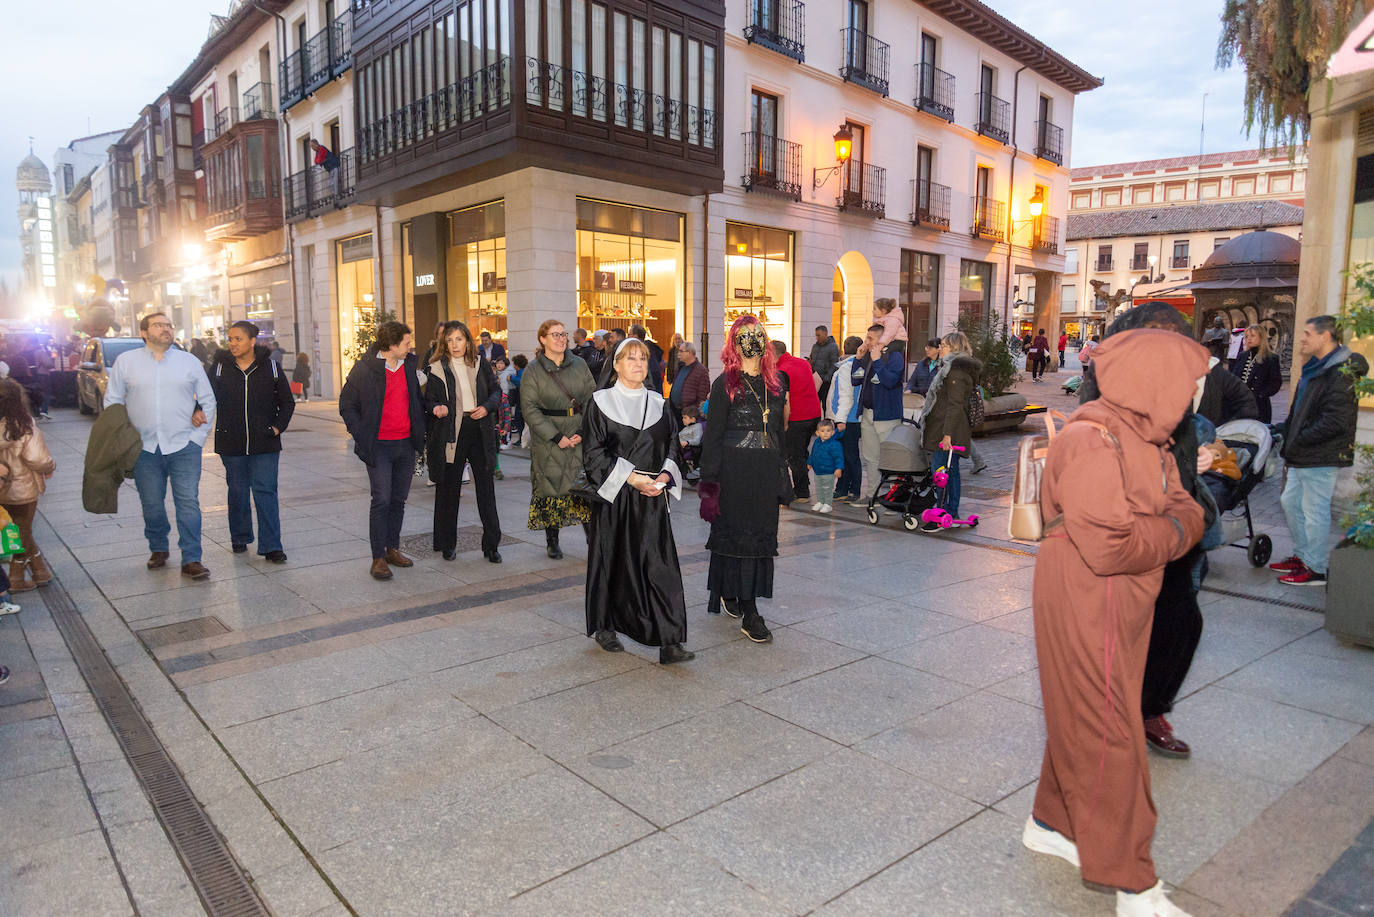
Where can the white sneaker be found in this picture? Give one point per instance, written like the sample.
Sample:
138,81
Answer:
816,507
8,608
1045,840
1152,902
826,508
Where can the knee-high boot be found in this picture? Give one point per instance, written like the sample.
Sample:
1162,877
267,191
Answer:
551,537
19,576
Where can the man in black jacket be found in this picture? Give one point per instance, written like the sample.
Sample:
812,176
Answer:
255,405
380,405
1318,441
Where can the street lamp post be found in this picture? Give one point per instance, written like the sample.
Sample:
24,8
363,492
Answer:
844,148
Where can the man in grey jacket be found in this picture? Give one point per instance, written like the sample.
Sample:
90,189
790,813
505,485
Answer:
825,356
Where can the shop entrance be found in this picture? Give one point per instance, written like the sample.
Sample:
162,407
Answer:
852,297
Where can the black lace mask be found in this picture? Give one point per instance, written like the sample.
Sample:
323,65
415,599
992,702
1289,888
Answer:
750,340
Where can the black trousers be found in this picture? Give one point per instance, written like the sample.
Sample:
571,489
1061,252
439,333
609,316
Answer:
390,474
1173,638
472,448
1038,366
797,440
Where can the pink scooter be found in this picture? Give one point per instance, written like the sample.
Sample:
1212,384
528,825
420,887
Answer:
938,515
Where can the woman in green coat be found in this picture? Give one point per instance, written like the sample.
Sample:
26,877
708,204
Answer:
553,391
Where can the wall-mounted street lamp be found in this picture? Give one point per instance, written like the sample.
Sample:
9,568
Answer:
1037,203
844,147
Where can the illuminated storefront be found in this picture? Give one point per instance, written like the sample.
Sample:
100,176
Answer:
630,268
975,288
758,277
920,297
357,308
476,265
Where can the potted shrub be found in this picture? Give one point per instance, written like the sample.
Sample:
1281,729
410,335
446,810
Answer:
990,340
1350,575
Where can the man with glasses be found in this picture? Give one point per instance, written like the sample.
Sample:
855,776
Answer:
170,402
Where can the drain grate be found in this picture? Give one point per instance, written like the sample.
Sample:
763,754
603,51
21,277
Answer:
469,539
1264,599
224,888
182,632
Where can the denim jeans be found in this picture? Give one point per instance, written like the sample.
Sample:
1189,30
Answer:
952,488
152,471
825,489
848,484
390,474
1307,506
255,477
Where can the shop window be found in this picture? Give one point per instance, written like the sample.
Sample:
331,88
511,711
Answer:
920,295
630,268
758,277
356,304
477,268
260,311
975,288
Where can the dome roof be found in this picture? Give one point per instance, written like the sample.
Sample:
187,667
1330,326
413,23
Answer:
1259,247
32,175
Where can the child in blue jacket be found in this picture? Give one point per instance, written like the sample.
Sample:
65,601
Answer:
827,457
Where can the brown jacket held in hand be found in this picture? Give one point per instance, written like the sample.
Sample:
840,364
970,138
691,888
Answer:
1125,515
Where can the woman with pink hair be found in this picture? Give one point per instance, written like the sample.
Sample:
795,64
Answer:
743,475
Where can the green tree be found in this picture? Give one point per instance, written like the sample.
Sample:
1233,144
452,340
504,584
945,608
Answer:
1284,46
1357,321
990,341
365,335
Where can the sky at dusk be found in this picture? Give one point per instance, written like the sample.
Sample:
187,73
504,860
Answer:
80,67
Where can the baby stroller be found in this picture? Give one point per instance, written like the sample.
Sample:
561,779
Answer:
905,483
1253,445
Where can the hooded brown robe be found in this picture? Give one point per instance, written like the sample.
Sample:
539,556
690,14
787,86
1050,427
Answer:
1124,516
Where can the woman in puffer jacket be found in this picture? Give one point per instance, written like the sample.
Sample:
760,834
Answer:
22,448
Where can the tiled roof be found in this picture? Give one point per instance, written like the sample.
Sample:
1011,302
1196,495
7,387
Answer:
1151,221
1148,165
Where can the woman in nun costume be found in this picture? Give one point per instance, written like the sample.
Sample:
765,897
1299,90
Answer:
630,453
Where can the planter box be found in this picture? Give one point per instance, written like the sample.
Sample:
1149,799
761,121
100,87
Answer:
1350,583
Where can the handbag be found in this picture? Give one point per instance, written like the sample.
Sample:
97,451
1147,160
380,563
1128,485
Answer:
582,485
977,411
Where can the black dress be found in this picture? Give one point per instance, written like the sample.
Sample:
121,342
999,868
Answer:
1262,377
748,464
634,583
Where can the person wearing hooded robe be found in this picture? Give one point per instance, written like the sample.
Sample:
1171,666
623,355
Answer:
631,455
1115,514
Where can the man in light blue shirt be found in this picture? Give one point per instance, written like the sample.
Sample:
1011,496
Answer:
170,402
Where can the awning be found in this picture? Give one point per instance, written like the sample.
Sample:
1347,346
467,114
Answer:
1239,283
1356,53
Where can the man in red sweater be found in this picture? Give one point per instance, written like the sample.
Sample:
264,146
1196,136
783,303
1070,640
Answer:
380,405
804,413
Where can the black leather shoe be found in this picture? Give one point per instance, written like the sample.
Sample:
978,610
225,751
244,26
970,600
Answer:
450,555
674,653
551,538
609,642
240,548
492,556
275,557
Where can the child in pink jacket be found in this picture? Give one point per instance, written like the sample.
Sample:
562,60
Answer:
886,313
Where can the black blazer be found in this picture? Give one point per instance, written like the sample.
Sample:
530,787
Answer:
360,403
440,430
249,404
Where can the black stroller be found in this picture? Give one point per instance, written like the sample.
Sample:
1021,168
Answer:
1253,445
905,483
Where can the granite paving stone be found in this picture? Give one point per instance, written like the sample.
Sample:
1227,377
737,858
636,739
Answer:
73,874
156,877
878,628
997,594
296,890
43,807
982,746
808,836
742,668
1342,688
467,638
470,858
977,655
687,767
860,699
33,746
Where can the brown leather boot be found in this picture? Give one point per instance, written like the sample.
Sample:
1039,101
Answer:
380,570
38,566
396,559
19,576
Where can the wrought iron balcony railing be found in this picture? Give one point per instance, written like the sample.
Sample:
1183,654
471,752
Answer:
312,191
1179,262
225,118
863,188
772,165
779,25
328,54
994,117
1049,142
1105,265
989,219
865,61
930,204
474,96
1046,235
934,91
257,103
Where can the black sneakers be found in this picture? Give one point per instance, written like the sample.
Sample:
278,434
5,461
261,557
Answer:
754,628
731,607
674,652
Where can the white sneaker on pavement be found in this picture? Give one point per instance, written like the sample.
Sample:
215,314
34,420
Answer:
8,608
826,508
1152,902
816,507
1046,840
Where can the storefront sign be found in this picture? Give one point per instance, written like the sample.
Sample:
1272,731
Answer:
491,283
632,286
424,280
605,280
743,293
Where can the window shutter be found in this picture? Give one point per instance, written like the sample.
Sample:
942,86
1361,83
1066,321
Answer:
1364,133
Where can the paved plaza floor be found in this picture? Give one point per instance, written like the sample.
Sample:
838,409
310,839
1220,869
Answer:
450,742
